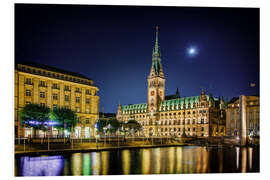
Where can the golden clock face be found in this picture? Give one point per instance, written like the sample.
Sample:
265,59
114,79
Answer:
152,93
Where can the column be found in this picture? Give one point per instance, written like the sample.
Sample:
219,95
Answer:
49,94
62,95
83,101
243,118
72,98
35,92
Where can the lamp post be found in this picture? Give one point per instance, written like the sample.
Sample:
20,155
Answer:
48,137
96,127
72,134
24,139
104,130
64,131
109,127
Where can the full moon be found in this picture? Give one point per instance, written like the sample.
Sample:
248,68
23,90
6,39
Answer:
192,51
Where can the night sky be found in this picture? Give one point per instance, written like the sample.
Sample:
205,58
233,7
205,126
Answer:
113,46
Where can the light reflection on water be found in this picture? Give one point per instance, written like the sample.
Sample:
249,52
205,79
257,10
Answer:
170,160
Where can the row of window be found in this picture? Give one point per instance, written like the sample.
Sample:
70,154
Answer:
170,114
56,86
179,129
174,134
55,75
179,122
55,96
165,114
78,110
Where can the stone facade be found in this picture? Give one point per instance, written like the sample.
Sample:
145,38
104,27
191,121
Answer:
173,115
47,86
252,116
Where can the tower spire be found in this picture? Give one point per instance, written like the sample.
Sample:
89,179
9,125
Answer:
156,58
156,44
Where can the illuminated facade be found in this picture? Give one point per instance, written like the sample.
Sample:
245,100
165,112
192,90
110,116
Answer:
252,109
173,115
39,84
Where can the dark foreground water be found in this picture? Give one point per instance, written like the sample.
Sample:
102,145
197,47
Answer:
169,160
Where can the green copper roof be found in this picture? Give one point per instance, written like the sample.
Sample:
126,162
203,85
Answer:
171,104
131,107
179,102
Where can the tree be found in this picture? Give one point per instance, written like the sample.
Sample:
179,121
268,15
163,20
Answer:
114,124
35,116
133,125
100,124
65,118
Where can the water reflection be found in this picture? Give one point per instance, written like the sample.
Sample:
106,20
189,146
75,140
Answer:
86,164
76,164
145,153
41,166
250,157
95,163
244,160
126,161
156,161
143,161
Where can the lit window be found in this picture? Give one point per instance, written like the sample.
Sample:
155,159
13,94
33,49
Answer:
28,92
87,91
55,86
28,81
66,97
42,83
55,96
77,99
78,90
42,94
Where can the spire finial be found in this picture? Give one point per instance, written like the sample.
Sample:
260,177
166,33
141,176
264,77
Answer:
156,44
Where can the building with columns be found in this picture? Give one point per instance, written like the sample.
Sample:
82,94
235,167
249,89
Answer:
174,115
52,87
251,109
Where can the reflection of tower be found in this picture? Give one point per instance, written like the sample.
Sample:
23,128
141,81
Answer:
126,161
146,161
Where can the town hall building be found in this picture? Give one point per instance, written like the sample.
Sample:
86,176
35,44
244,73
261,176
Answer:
174,115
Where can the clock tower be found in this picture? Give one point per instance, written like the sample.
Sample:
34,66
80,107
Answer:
156,81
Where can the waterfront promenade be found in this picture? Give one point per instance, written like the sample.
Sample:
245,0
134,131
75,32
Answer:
58,145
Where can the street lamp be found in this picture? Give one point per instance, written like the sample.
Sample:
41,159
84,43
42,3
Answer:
96,128
109,127
104,131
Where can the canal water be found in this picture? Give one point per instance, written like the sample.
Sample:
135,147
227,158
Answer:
166,160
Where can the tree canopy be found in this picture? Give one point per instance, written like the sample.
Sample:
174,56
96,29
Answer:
34,115
65,118
132,124
111,124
